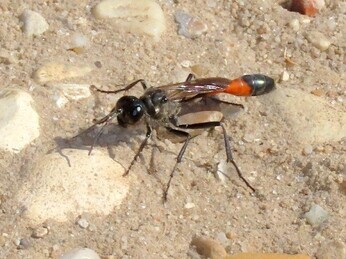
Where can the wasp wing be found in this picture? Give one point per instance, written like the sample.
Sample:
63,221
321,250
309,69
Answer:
199,87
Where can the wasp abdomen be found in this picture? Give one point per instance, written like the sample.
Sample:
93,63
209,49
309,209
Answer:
248,85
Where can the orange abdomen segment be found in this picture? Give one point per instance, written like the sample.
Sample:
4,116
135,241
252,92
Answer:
239,87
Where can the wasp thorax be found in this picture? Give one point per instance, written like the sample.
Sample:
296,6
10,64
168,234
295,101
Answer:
131,110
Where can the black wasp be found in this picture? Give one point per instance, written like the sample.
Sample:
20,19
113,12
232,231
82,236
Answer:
182,108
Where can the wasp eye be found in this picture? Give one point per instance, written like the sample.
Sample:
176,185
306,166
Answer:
132,110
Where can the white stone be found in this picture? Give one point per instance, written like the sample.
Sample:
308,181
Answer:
74,91
19,122
294,24
79,43
307,117
91,184
56,71
285,76
80,253
33,23
144,17
316,215
189,205
319,40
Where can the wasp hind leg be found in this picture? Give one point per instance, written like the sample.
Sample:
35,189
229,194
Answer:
230,157
179,159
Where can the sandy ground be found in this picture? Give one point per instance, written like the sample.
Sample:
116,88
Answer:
242,37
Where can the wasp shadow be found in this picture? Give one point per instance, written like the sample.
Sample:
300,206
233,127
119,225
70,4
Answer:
112,136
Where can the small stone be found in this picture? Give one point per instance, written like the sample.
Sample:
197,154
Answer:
248,138
40,232
144,17
33,23
285,76
332,249
73,91
222,238
79,253
189,205
19,122
316,215
189,26
221,172
294,24
98,64
79,43
101,189
209,247
56,71
307,150
318,92
199,70
24,243
307,7
83,223
318,40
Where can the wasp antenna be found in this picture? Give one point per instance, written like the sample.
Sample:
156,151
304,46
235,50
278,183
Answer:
97,137
106,120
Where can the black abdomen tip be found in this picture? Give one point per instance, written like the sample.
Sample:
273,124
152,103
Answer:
261,84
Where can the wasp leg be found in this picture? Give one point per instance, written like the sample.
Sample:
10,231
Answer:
227,145
179,158
190,77
230,157
128,87
141,147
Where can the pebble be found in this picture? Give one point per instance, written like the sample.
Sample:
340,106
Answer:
285,76
222,238
139,17
189,205
40,232
189,27
90,184
83,223
332,249
79,253
221,172
17,118
56,71
24,243
308,150
73,91
318,40
294,24
311,119
307,7
316,215
79,43
33,23
208,247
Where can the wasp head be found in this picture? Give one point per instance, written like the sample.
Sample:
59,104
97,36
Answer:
130,110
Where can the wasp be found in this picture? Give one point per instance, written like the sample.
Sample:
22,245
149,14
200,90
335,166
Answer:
184,109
